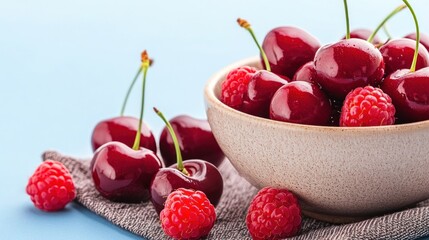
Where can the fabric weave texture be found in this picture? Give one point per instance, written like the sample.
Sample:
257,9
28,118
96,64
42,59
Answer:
142,219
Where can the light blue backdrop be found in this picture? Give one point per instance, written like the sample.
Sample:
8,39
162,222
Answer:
65,65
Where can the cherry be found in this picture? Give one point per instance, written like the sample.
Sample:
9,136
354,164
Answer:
263,83
288,48
348,64
306,73
202,176
424,39
195,138
253,108
123,128
191,174
364,34
409,89
261,89
410,94
123,174
398,54
300,102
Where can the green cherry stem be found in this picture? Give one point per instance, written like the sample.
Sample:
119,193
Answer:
124,104
180,166
386,31
145,67
246,25
416,22
393,13
346,9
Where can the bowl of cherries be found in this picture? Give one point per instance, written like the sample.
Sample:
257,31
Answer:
344,126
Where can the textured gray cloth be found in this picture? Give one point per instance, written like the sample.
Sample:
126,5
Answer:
142,219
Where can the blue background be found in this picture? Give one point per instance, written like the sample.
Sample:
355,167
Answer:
65,65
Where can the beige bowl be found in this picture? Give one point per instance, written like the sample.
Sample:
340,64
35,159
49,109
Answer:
339,174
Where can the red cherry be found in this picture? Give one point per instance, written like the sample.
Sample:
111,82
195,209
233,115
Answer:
191,174
409,89
346,65
424,39
300,102
306,73
253,108
122,174
398,54
288,48
260,90
202,176
262,84
195,138
122,129
410,94
364,34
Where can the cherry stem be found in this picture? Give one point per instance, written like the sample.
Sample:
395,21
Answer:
416,22
124,104
180,166
246,25
386,31
145,67
346,9
393,13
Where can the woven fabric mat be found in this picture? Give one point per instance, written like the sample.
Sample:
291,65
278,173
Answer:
142,219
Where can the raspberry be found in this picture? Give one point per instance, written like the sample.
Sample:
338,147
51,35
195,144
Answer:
51,186
368,106
234,87
273,214
187,214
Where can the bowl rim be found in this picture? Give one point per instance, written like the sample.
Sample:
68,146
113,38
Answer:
209,94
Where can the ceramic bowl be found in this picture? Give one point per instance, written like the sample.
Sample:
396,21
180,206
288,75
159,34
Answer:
339,174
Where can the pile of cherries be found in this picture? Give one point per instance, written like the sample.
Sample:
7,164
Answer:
303,82
126,168
306,83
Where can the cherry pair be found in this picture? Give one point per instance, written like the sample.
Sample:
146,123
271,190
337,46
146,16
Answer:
124,174
121,173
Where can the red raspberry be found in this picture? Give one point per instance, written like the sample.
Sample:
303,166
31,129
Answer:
235,85
51,186
368,106
273,214
187,214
